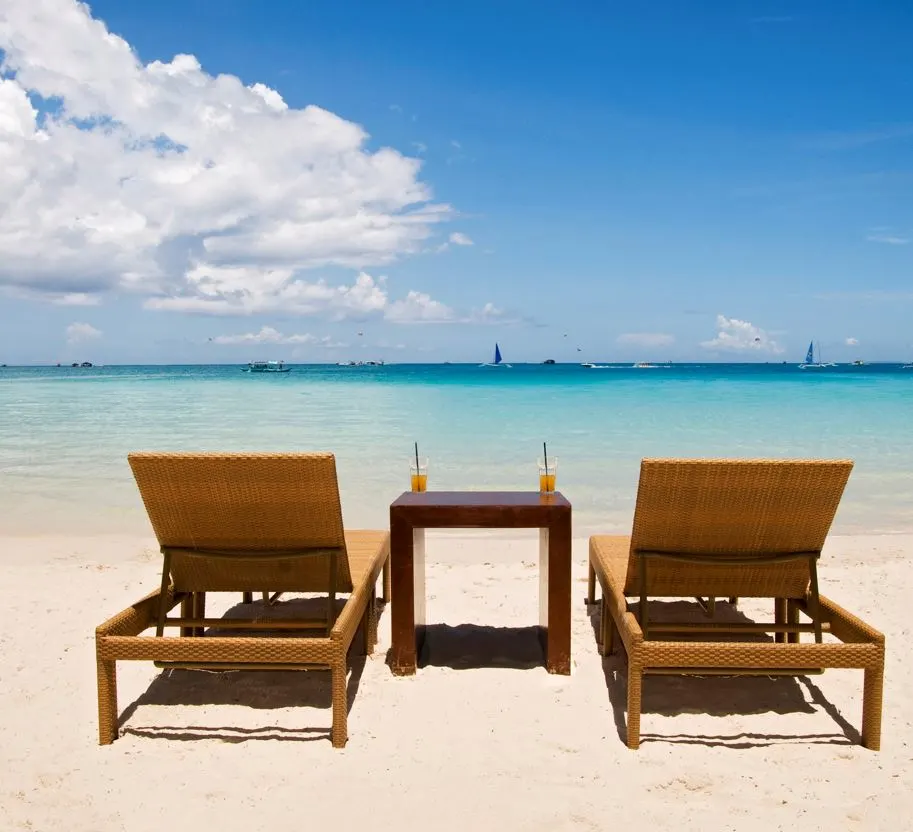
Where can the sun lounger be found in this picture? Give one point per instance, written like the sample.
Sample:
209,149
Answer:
246,523
732,528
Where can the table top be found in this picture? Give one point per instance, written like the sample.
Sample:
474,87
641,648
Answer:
486,499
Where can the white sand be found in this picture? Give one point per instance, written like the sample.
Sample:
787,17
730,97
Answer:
503,746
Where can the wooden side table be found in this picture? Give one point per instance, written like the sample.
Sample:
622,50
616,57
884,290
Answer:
413,512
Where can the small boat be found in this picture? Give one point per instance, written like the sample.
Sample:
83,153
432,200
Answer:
498,361
859,363
266,367
810,363
644,365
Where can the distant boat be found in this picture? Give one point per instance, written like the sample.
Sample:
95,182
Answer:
359,363
859,363
547,361
266,367
498,361
810,363
645,365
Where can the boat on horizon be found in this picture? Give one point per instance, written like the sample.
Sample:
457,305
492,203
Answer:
810,363
644,365
266,367
497,361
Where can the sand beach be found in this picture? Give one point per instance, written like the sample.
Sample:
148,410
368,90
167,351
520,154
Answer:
481,738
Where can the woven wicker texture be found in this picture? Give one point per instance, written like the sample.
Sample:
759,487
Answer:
252,522
247,504
707,507
733,507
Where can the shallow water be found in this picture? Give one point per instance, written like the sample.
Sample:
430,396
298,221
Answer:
65,433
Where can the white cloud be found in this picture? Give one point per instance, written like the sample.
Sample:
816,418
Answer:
78,333
243,290
76,299
741,336
491,314
419,308
852,342
197,190
269,335
890,239
646,339
460,239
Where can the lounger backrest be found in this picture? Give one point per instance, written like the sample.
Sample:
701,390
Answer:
246,521
725,507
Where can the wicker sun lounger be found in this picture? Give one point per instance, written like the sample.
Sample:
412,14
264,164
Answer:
732,528
246,523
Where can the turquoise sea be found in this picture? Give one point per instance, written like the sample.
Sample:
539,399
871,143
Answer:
65,432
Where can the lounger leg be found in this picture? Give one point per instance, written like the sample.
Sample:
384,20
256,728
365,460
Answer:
780,618
386,591
873,688
606,630
339,732
368,628
792,617
107,701
591,585
199,609
247,597
187,608
635,683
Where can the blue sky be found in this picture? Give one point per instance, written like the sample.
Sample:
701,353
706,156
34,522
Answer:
700,181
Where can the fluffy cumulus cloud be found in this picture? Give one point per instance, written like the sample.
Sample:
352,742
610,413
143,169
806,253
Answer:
194,190
79,333
852,342
419,308
646,339
270,335
734,335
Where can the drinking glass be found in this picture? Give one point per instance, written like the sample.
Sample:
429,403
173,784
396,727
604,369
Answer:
547,474
418,474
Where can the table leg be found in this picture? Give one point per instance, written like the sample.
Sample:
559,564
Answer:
555,595
407,614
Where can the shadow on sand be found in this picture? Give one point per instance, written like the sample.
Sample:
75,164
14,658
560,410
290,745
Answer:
259,689
716,695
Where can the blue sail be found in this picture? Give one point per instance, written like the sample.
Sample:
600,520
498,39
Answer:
810,355
497,354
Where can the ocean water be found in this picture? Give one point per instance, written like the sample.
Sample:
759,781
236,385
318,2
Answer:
65,433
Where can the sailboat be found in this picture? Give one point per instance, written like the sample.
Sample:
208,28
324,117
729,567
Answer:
810,363
498,361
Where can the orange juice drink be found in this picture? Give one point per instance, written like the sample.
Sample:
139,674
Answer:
548,470
418,474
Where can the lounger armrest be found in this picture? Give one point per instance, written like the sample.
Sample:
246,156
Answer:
347,622
846,626
137,617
